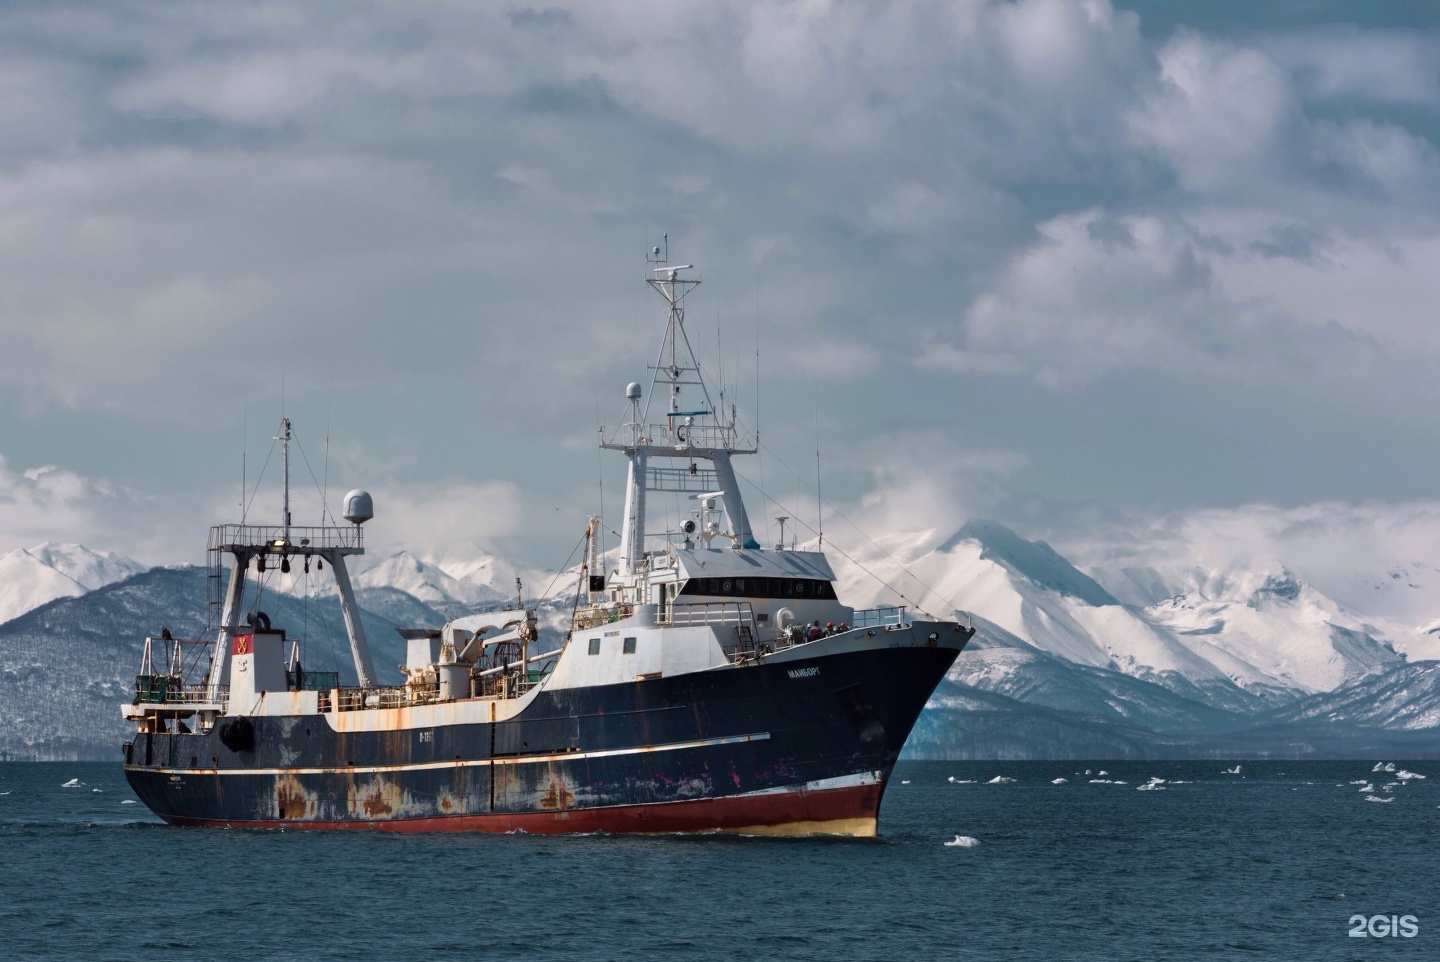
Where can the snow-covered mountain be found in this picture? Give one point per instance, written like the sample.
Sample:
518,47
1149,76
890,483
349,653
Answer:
1159,660
1379,564
431,582
30,577
1270,628
450,585
1403,699
1242,641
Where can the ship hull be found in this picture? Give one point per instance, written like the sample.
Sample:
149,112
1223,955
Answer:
799,746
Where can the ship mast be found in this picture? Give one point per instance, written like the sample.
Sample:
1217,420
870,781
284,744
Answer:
692,429
242,543
284,440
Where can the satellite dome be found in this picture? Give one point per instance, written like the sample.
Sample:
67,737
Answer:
359,508
632,390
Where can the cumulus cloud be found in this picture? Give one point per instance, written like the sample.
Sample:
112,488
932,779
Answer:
1343,61
1101,293
443,517
51,503
927,490
1378,559
446,205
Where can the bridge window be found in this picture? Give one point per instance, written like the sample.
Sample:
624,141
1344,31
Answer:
629,646
759,588
594,646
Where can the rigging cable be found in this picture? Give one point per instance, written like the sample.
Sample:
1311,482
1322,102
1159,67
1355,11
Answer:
855,561
861,531
255,490
329,411
563,568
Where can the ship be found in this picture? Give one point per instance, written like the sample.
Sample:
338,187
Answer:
702,682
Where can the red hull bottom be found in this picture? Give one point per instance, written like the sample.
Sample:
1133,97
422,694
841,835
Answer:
849,811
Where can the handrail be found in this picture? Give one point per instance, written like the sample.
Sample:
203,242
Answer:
886,616
170,690
273,537
606,613
708,613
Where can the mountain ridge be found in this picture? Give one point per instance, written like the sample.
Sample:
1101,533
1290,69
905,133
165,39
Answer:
1245,658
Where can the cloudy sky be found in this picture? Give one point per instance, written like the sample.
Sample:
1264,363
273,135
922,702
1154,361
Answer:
1040,261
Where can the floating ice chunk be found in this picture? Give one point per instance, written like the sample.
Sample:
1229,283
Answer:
1230,771
1367,787
904,781
963,841
1405,776
1379,767
1103,773
6,793
1150,787
98,791
1000,780
1087,771
73,783
1389,766
952,779
1360,781
128,801
1377,798
1101,781
1059,781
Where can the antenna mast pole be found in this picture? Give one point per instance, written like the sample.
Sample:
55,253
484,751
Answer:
284,440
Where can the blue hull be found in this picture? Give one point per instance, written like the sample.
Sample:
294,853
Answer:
804,742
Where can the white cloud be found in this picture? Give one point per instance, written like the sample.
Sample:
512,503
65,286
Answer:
1219,113
51,503
1343,61
1380,560
443,517
446,205
1237,294
919,493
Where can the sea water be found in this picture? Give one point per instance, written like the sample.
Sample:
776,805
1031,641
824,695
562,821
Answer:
1277,861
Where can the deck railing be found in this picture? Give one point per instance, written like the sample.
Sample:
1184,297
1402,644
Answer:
301,540
708,613
890,616
171,690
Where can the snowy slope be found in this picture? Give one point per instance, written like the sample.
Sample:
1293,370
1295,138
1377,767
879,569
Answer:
1268,627
1378,563
66,666
999,663
1034,594
450,586
1404,699
1236,637
30,577
429,582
